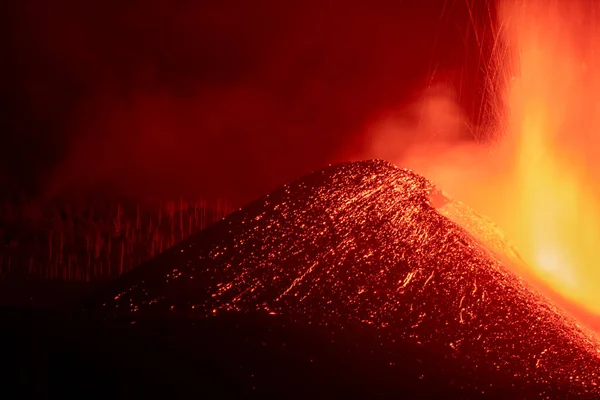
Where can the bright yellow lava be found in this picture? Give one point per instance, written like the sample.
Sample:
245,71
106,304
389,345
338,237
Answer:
552,108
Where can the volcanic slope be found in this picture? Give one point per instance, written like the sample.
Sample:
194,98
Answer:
368,244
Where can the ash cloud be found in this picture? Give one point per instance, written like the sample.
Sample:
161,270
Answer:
228,98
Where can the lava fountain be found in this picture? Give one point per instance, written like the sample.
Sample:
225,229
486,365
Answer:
550,121
539,180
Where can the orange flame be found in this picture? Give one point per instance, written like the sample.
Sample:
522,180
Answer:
552,126
541,180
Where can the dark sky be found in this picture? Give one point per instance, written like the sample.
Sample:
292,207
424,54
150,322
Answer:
223,97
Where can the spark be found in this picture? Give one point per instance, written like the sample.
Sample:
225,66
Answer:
428,279
298,279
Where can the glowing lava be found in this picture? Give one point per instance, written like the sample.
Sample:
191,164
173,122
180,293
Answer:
551,126
370,246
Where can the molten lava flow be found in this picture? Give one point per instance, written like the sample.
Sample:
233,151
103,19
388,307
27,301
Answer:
552,109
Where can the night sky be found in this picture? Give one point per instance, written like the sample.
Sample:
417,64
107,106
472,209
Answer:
227,98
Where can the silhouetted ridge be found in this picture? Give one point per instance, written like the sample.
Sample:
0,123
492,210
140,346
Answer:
363,244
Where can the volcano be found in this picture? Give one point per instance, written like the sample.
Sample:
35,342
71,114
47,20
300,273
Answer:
372,257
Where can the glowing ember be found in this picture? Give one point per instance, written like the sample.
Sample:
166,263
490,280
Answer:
552,125
370,244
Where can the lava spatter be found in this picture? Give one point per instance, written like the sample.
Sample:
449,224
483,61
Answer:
363,243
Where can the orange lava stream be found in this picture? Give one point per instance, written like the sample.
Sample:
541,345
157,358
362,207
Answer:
551,116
